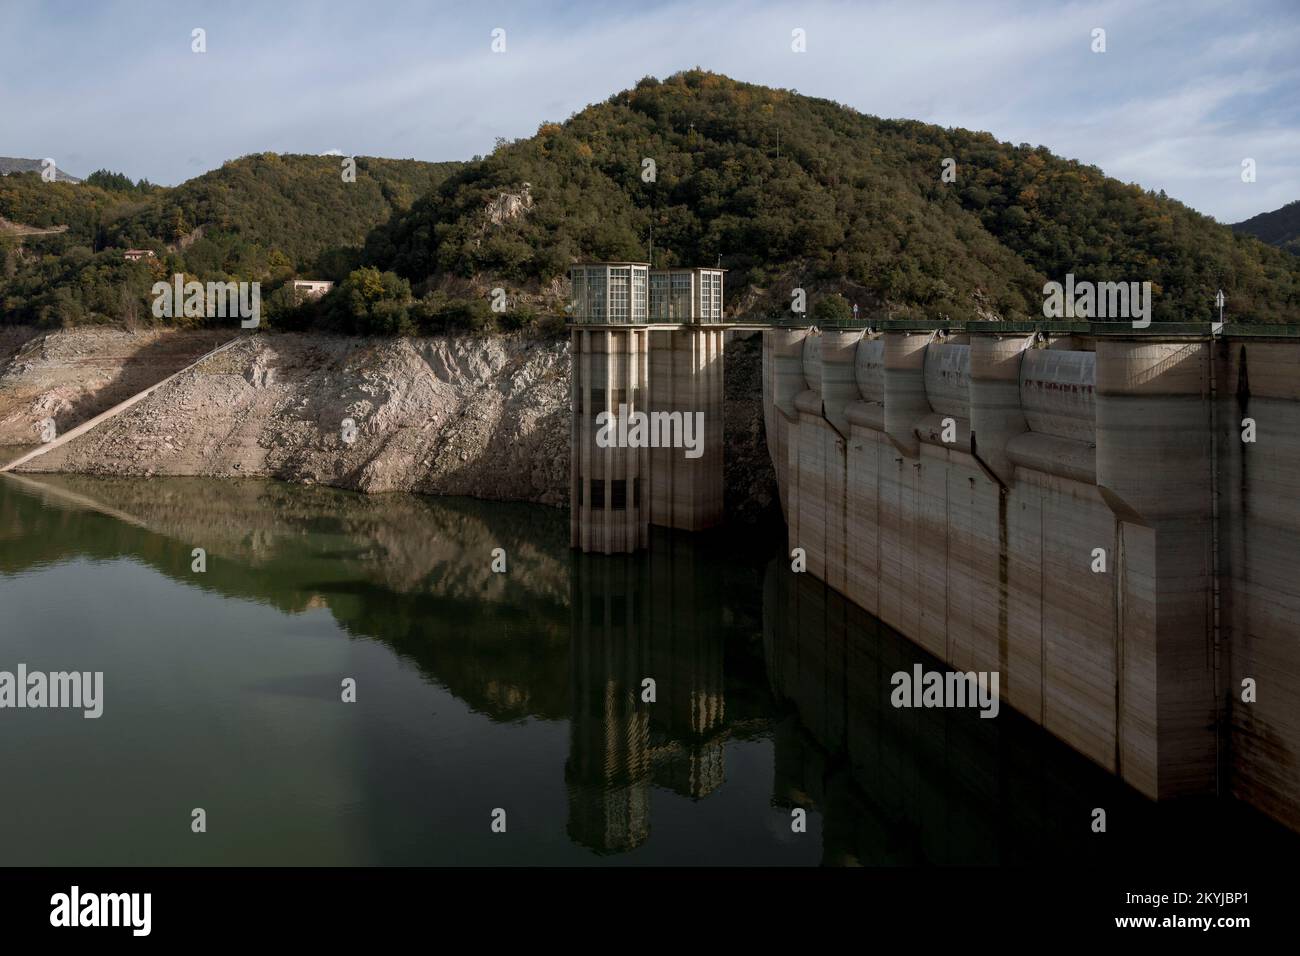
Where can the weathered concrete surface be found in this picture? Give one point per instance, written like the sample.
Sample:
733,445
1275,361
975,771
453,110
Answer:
1261,542
686,376
610,494
1066,537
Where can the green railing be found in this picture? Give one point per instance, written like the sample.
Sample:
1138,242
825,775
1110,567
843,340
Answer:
1046,326
573,320
1200,329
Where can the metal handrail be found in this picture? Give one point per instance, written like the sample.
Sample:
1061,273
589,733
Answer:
790,321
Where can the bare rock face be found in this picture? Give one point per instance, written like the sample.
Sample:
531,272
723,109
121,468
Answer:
74,374
482,416
468,416
509,206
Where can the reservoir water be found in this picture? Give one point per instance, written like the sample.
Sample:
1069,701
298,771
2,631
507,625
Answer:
479,691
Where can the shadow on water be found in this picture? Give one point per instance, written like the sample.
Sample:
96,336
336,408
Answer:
743,654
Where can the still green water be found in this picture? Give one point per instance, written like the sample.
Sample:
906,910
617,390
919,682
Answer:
477,691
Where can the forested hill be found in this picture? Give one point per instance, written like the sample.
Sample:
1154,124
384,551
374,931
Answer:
791,190
263,217
1280,228
784,190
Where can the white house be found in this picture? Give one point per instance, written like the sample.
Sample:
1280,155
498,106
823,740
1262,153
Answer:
312,288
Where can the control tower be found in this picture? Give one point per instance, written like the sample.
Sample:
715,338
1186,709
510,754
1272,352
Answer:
647,402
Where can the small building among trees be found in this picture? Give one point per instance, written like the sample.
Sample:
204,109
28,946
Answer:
311,288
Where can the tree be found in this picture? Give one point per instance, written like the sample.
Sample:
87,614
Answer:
832,310
371,302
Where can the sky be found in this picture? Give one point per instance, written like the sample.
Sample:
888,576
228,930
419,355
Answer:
1185,91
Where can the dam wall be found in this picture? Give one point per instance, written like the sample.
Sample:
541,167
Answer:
1078,513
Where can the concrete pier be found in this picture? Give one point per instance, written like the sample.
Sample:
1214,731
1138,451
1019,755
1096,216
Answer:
610,507
686,379
674,376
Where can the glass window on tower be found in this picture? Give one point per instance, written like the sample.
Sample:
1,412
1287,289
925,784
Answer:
638,294
679,308
712,296
658,295
580,304
589,293
619,293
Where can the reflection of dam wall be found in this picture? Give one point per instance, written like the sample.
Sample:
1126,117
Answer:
957,488
609,753
906,786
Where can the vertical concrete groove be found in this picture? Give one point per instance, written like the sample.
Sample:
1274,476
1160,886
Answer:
1121,584
1214,559
1042,613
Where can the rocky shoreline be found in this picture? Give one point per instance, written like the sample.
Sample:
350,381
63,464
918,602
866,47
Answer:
483,416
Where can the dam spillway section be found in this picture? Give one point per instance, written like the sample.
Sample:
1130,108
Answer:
1104,517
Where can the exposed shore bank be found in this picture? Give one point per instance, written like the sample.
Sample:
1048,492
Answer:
483,416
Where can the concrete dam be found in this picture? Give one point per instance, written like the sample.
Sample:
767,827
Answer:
1106,519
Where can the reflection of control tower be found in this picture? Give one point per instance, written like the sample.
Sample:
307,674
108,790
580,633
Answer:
609,751
686,662
641,616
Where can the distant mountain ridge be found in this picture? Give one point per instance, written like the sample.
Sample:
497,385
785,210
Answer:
1280,228
10,164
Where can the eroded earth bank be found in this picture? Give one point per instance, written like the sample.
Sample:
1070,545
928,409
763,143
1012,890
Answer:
484,416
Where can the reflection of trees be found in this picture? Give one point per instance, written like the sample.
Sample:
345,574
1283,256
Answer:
401,542
412,572
416,574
